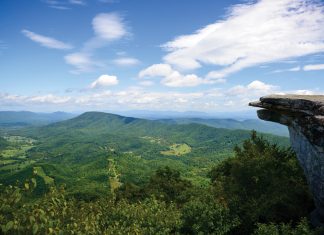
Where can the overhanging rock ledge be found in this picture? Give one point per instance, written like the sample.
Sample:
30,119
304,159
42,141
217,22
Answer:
304,116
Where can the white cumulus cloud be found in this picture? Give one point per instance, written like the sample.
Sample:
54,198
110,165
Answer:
253,33
211,100
46,41
171,77
156,70
254,89
104,81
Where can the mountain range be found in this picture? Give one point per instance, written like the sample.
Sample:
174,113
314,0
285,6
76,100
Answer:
12,119
75,152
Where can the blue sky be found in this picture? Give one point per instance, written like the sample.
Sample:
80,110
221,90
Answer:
79,55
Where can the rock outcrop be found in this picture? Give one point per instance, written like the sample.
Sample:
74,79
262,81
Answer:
304,116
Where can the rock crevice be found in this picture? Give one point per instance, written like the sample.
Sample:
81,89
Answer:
304,116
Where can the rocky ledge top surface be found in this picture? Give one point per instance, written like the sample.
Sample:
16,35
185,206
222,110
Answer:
308,104
304,112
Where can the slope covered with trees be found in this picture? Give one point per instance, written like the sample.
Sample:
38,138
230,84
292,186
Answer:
246,194
233,124
75,151
25,118
3,143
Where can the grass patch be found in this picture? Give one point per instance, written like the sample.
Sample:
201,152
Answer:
41,173
177,150
15,153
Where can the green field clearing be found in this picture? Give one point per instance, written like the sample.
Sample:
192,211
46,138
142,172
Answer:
19,139
41,173
13,157
6,162
18,152
177,150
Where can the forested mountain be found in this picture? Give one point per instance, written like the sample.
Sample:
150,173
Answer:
25,118
248,124
76,150
12,119
132,134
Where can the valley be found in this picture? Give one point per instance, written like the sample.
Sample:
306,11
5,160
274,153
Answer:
75,152
126,171
13,155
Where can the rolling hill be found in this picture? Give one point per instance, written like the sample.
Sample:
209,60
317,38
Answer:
233,124
12,119
25,118
75,151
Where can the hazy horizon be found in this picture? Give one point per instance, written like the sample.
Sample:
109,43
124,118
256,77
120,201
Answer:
251,114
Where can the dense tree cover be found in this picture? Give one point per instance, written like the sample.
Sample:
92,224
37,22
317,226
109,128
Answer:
55,214
228,123
260,190
302,228
203,214
74,152
3,143
262,184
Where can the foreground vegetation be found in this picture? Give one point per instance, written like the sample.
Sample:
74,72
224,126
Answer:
247,194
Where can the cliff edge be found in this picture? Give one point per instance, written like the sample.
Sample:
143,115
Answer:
304,116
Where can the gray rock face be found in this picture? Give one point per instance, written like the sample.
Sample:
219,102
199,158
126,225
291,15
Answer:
304,116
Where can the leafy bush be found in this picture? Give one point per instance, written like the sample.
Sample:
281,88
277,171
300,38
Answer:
302,228
54,214
262,184
206,216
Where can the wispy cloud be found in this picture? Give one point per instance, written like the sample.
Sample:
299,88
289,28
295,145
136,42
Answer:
312,67
107,27
77,2
109,1
46,41
293,69
146,83
309,67
81,62
49,99
68,4
252,34
126,61
64,4
20,100
3,46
